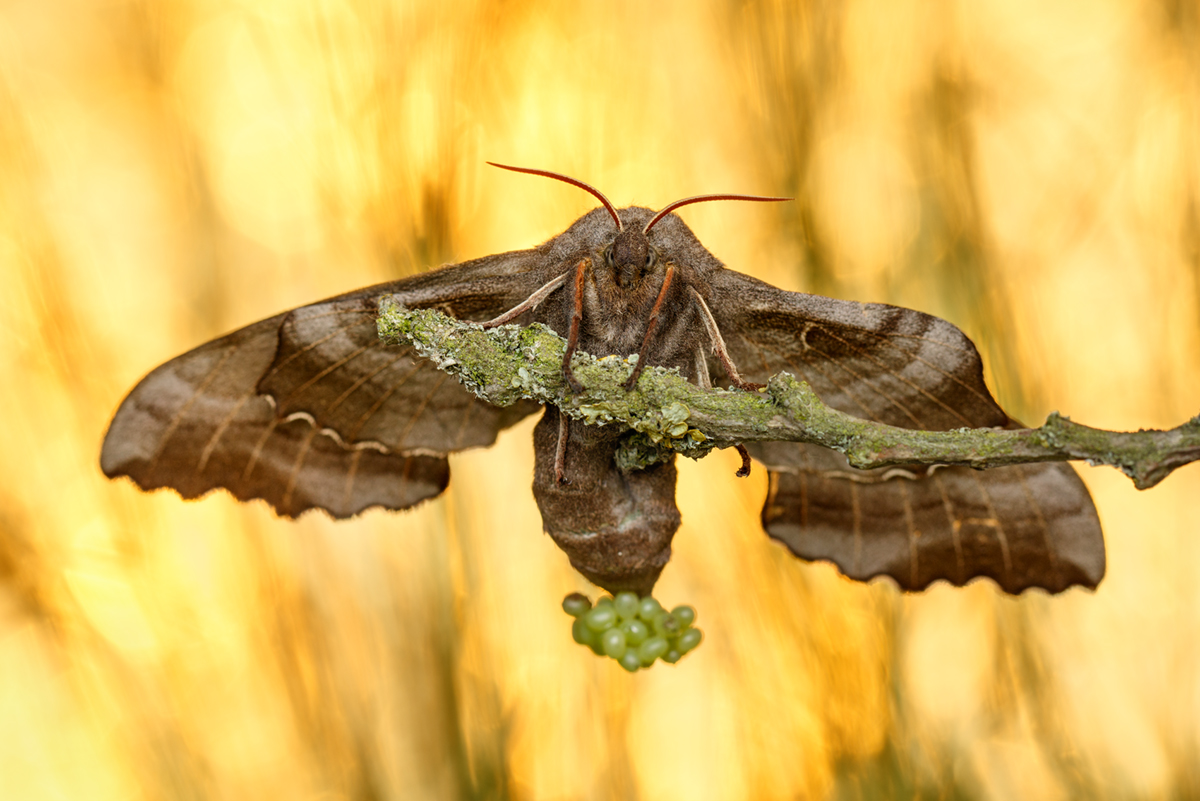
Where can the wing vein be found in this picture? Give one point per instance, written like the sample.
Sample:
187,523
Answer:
351,474
889,339
867,413
177,418
1001,536
462,428
919,389
913,537
382,399
421,409
955,529
220,432
1041,519
856,506
275,368
364,379
258,448
342,362
285,503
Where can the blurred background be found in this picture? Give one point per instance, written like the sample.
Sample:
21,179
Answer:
172,170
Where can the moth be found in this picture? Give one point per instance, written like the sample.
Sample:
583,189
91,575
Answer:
310,409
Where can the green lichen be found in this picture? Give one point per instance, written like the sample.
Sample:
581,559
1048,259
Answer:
508,363
665,414
658,436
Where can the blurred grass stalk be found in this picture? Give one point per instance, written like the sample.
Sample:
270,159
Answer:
174,170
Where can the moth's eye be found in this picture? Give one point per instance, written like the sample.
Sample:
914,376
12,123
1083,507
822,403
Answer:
608,255
651,257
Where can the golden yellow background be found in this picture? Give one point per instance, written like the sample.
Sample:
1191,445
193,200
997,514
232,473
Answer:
173,170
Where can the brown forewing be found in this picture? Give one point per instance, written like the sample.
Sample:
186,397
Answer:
331,366
309,409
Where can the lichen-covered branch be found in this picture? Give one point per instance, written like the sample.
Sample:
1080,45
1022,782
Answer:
671,415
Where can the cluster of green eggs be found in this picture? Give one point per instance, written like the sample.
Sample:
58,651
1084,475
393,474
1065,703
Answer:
634,631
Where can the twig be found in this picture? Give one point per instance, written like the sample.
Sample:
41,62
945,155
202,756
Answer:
671,415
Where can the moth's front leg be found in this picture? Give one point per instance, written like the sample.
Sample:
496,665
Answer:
576,321
531,302
534,300
718,343
651,324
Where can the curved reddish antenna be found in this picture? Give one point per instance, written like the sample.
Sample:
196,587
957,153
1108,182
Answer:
687,201
567,180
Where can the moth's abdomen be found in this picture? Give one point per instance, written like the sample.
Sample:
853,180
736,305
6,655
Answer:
615,527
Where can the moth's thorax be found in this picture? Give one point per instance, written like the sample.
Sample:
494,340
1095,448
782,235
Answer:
615,314
624,277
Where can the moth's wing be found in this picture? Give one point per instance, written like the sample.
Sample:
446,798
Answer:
310,409
1023,526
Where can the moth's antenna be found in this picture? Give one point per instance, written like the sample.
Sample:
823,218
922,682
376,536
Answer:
567,180
687,201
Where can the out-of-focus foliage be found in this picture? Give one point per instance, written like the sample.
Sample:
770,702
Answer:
171,170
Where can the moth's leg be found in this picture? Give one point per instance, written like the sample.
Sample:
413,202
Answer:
560,452
573,332
650,326
703,379
722,352
702,370
744,470
530,302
